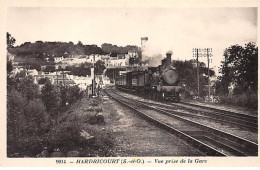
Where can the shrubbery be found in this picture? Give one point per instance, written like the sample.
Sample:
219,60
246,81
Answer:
16,120
56,98
31,114
27,120
37,115
244,100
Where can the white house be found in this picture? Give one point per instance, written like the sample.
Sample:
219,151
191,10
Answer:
120,60
32,72
15,71
10,57
82,82
58,59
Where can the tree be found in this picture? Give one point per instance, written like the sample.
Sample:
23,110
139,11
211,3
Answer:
239,68
24,116
99,67
64,95
188,74
109,48
23,84
79,43
36,115
27,87
51,98
50,68
9,67
73,94
10,41
51,59
82,70
43,80
41,50
16,121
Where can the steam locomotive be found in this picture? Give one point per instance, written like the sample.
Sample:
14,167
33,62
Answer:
159,83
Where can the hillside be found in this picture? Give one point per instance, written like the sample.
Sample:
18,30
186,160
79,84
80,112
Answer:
40,49
114,49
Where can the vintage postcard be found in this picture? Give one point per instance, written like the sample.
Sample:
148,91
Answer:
129,83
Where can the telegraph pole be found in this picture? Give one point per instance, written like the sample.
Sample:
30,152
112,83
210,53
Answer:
63,77
209,50
94,81
205,52
196,54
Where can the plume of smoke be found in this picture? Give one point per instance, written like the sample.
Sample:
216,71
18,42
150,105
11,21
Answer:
153,60
151,55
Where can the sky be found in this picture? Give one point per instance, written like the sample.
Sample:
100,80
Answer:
175,29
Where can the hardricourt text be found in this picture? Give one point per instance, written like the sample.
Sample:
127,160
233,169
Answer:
98,161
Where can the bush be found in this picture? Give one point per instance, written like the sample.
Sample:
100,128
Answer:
50,68
70,95
244,100
38,118
51,97
64,135
74,94
25,117
16,120
27,121
43,80
29,116
23,84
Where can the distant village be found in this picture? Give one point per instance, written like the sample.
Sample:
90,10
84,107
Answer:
63,61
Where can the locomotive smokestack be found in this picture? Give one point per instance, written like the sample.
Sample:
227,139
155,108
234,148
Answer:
169,56
167,61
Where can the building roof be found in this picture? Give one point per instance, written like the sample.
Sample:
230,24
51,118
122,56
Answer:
131,51
119,56
68,82
60,77
58,57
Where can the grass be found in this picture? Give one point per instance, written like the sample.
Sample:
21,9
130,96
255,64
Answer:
243,100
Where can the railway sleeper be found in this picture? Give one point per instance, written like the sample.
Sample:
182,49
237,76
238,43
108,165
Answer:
195,143
219,145
247,146
215,143
200,145
218,119
237,115
240,146
194,133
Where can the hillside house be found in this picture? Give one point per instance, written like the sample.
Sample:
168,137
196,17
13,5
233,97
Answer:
58,59
119,60
32,72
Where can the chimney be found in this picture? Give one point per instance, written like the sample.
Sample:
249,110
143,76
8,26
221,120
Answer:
168,59
169,56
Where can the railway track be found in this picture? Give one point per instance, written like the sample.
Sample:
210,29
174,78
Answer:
225,115
211,141
228,118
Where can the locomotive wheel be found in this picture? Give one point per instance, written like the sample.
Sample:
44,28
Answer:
163,96
154,96
160,96
177,100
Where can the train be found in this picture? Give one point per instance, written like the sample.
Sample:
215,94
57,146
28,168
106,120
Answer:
158,83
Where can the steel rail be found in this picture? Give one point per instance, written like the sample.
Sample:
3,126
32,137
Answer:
251,148
210,151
